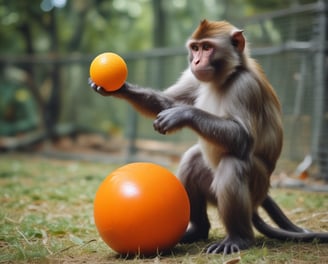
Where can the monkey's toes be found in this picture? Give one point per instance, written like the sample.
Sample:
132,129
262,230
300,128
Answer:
230,245
221,247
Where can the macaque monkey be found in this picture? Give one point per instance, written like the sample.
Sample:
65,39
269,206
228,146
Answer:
224,97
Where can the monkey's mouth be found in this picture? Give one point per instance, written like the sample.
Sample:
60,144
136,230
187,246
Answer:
204,74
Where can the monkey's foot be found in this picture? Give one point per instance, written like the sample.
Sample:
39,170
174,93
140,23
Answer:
194,234
229,246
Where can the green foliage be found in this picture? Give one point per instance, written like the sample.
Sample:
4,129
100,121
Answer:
120,25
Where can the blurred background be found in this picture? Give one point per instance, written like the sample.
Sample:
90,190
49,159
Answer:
46,47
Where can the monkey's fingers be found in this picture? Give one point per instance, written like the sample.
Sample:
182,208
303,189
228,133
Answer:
97,88
171,119
163,124
158,126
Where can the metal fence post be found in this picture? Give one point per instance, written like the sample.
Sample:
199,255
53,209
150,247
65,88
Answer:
320,130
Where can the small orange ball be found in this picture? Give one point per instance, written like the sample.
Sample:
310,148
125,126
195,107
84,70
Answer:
109,71
141,208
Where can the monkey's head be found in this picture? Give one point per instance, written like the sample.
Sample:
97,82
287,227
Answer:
215,49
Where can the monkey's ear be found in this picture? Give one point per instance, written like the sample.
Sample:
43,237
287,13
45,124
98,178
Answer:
238,40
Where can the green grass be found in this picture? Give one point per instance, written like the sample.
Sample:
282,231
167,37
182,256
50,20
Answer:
46,216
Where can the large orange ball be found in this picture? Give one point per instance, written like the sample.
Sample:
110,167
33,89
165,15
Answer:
108,70
141,208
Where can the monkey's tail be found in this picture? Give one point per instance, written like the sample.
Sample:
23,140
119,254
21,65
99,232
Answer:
278,216
285,235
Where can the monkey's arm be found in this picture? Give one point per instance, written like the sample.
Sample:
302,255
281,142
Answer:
146,101
228,133
150,102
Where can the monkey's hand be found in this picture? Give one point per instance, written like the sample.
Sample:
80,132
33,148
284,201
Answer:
101,90
173,118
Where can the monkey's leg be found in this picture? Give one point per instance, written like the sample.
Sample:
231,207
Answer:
234,205
197,178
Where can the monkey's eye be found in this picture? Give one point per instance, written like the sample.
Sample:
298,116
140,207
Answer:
194,47
207,46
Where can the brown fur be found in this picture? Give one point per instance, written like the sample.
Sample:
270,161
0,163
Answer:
211,29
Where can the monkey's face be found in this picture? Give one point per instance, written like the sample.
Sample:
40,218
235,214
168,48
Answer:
215,49
211,58
200,56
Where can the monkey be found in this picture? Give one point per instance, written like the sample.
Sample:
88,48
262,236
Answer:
225,97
